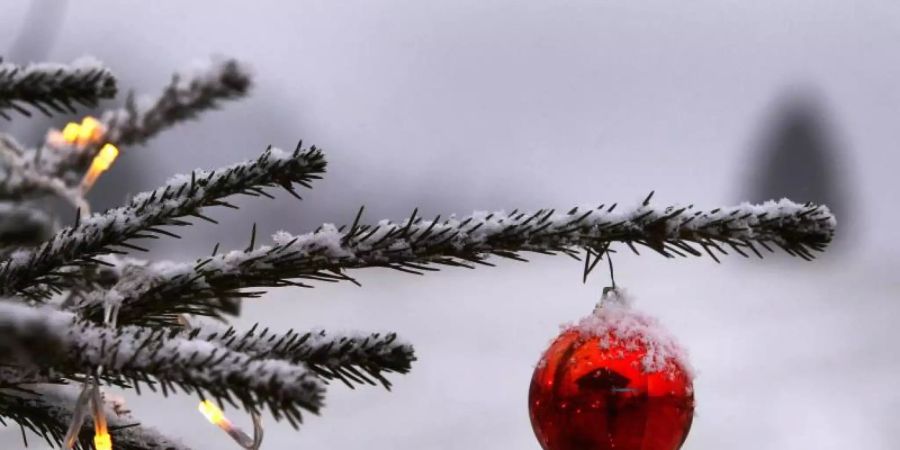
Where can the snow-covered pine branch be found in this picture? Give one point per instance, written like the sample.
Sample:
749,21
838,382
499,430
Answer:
22,180
416,245
33,273
187,95
190,93
54,87
47,410
351,358
157,359
23,226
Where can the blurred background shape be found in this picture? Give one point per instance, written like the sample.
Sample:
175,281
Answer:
798,155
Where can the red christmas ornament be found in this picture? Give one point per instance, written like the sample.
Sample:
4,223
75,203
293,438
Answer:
616,380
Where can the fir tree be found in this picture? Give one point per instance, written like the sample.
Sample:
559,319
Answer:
80,312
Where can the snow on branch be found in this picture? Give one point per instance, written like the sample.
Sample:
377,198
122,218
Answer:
146,213
54,87
188,94
157,359
416,245
354,358
16,377
351,358
23,226
47,411
22,180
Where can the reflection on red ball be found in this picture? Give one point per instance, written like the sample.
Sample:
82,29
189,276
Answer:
595,391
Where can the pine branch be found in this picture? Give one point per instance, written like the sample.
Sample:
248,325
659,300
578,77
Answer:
34,274
13,376
116,277
23,226
48,410
349,358
186,96
417,245
156,359
189,94
53,88
22,180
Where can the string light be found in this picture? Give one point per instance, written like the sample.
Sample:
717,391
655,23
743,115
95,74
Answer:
90,393
78,416
102,439
89,132
217,418
101,163
70,132
90,398
214,414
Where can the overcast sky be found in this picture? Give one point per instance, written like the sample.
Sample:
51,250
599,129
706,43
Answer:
454,106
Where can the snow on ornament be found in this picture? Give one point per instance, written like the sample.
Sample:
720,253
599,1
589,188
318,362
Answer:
615,380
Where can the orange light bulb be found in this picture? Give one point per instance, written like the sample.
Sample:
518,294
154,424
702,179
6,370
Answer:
101,163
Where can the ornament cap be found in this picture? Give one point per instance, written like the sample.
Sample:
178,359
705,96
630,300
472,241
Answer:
613,296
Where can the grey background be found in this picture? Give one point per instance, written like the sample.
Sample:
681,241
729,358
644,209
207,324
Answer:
453,106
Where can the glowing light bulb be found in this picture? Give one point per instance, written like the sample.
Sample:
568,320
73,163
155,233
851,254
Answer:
213,414
90,131
103,441
101,163
217,417
70,132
